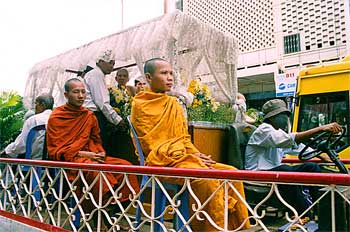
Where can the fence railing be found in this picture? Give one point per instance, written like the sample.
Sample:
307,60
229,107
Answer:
42,190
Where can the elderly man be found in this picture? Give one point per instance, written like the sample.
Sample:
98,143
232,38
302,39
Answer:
122,78
120,95
97,96
161,126
73,135
272,140
118,139
43,109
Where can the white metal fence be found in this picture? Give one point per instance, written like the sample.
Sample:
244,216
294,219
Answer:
41,190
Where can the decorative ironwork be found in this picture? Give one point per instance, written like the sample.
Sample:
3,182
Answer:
45,193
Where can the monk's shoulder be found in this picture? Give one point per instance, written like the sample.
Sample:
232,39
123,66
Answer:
86,111
57,111
90,114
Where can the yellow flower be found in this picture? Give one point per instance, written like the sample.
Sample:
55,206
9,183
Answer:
192,87
205,89
121,102
195,103
197,86
191,90
214,106
202,96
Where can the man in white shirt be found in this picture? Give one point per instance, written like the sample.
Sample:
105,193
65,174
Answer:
43,108
97,95
271,141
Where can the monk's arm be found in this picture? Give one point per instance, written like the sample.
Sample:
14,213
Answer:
92,155
190,148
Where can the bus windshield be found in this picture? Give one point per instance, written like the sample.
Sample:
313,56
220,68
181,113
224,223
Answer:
320,109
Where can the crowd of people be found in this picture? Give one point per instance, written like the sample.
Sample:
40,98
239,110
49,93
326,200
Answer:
89,128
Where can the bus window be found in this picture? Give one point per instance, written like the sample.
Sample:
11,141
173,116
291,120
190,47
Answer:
320,109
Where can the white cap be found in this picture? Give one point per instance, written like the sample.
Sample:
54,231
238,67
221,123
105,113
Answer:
105,56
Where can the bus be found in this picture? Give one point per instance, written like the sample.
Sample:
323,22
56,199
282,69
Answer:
322,97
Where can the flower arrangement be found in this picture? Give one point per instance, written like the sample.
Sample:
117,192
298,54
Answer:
120,100
205,107
202,96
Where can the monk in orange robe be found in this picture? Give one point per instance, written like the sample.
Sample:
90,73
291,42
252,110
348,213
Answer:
162,130
73,135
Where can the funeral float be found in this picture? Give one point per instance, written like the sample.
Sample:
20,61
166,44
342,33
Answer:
202,57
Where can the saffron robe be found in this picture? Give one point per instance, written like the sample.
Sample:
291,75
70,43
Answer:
71,130
162,130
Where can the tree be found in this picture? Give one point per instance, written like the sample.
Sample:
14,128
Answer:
11,117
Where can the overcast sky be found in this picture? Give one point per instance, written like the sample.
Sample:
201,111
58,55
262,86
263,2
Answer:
34,30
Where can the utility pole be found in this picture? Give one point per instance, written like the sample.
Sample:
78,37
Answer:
122,13
165,6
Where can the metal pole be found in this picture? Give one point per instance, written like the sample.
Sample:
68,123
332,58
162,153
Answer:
165,6
122,14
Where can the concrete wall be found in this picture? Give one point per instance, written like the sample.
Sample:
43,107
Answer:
8,225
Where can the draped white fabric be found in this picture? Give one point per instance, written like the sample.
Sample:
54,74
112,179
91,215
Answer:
177,37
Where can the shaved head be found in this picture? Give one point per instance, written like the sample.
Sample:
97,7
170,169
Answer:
150,65
67,84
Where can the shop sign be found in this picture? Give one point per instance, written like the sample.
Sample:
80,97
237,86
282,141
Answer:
285,84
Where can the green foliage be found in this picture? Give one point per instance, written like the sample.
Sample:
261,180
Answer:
224,114
205,108
11,117
254,113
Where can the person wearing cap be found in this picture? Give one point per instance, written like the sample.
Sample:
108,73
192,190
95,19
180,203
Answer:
97,95
273,139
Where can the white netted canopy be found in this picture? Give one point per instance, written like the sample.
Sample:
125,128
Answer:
177,37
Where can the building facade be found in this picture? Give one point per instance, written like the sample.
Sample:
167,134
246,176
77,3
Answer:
277,36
